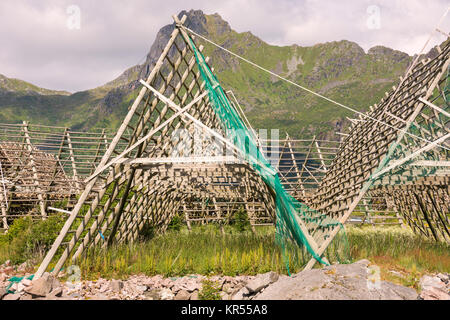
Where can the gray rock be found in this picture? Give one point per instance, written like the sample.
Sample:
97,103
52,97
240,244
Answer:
22,267
2,292
444,277
227,287
194,295
26,296
12,296
434,294
152,294
26,282
182,295
8,270
57,292
224,295
192,286
166,294
13,287
20,287
141,288
428,282
75,296
241,294
261,281
98,296
43,286
338,282
116,285
396,292
363,262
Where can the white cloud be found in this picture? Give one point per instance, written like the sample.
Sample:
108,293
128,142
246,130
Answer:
38,47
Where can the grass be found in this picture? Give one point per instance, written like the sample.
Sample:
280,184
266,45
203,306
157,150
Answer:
210,290
177,253
206,251
400,250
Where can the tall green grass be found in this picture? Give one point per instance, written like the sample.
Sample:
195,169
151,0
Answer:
205,250
399,248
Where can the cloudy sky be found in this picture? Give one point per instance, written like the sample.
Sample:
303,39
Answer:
45,43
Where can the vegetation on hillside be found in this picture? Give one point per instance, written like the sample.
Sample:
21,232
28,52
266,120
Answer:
340,70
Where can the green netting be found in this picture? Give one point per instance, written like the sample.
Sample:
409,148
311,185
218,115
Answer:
16,280
291,215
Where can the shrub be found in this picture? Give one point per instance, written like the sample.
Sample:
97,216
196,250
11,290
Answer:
17,228
27,238
176,224
147,232
210,290
240,221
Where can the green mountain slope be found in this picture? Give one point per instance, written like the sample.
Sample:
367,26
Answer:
340,70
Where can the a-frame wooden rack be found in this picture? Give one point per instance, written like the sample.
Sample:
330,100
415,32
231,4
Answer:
162,165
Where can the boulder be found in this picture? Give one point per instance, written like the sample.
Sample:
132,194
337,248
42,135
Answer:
166,294
261,281
57,292
43,286
434,294
444,277
429,282
2,292
8,270
364,262
152,294
26,282
182,295
22,267
20,287
337,282
26,296
97,297
392,291
167,283
194,295
141,289
227,287
14,287
241,294
12,296
116,285
191,286
224,295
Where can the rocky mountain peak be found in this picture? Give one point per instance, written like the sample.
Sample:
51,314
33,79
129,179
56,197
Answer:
380,51
196,21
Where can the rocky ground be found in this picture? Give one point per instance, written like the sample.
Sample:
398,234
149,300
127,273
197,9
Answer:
352,281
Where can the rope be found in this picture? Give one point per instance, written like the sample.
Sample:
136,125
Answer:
291,214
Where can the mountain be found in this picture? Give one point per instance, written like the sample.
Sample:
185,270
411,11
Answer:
340,70
19,86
